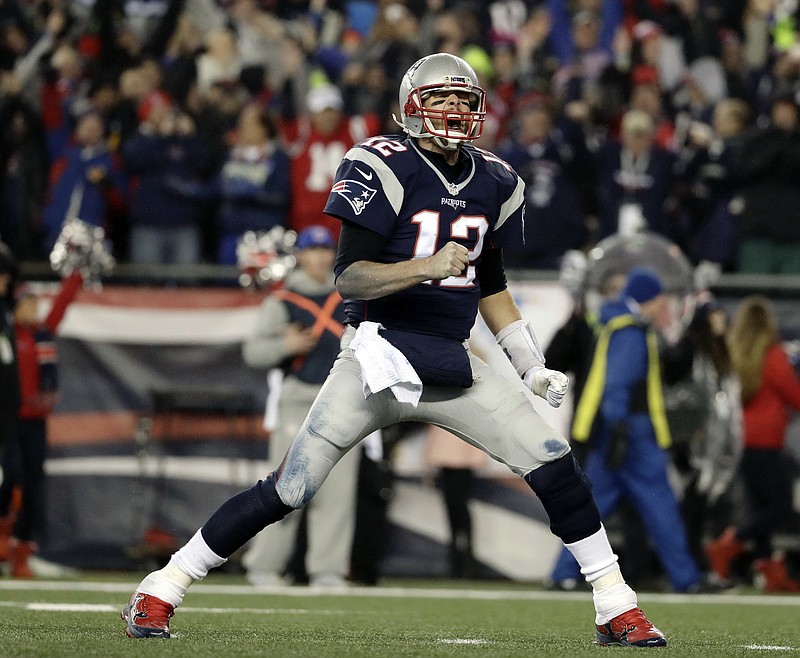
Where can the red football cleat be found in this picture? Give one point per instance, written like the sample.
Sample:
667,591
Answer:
630,629
147,616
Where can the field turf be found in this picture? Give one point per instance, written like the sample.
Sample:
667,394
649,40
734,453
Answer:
223,617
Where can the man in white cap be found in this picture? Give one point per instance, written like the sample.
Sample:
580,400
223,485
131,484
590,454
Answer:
317,142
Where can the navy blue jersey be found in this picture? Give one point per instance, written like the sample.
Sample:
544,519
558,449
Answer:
387,185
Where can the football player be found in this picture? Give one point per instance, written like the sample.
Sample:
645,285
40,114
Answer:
424,219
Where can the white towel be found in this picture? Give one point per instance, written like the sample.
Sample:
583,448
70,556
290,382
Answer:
384,366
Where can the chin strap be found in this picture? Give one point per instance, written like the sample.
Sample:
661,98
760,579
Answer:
447,144
441,142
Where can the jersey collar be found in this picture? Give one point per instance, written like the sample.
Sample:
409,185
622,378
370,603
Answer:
453,189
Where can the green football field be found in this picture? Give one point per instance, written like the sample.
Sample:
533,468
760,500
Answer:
222,617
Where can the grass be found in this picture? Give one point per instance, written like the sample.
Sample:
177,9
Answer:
222,617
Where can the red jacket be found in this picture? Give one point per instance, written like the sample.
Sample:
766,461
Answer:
36,405
315,158
767,414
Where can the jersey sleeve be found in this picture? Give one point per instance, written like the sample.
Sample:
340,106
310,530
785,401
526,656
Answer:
366,191
509,231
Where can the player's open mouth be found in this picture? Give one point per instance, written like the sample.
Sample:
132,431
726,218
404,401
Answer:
455,124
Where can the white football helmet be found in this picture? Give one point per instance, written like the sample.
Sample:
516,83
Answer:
435,73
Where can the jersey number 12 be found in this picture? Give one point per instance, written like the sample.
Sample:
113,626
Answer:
465,227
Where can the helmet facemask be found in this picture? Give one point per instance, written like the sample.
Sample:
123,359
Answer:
441,74
448,127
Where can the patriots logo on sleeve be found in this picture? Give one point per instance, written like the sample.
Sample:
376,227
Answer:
357,194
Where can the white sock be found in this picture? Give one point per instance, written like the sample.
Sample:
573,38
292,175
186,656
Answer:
611,594
594,554
191,562
196,559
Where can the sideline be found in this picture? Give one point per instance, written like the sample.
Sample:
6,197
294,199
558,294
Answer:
721,598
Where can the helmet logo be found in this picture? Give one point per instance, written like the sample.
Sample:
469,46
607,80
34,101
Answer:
457,80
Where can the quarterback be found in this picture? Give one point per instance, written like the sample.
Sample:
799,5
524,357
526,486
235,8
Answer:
424,219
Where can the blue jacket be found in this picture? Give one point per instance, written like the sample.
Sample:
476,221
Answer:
254,192
171,170
554,171
630,396
73,183
652,189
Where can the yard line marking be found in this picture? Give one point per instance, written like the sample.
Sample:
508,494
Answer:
70,607
767,647
406,592
460,640
105,608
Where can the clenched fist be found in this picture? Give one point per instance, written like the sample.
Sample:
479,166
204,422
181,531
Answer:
549,384
450,260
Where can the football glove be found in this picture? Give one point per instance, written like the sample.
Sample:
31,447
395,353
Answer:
549,384
521,347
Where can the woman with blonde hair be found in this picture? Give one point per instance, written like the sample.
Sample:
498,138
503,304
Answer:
770,389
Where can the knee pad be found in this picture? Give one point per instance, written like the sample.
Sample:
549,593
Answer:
243,516
566,496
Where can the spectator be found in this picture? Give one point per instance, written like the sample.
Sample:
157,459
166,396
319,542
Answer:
171,164
317,143
180,59
124,39
253,183
582,75
646,96
135,88
9,382
622,409
709,184
10,395
703,87
23,170
770,390
23,462
86,182
60,96
738,80
372,77
258,33
696,24
769,235
584,36
636,183
298,332
27,55
556,166
705,416
535,62
220,63
657,51
454,463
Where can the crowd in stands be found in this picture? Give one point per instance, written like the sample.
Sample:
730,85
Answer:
179,124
